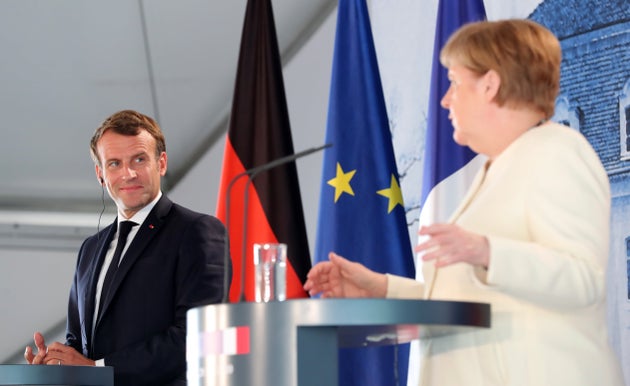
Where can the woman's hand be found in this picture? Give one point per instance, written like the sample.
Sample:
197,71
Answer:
341,278
449,244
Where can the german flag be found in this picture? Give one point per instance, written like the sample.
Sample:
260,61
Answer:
259,132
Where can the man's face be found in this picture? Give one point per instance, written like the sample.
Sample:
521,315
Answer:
130,169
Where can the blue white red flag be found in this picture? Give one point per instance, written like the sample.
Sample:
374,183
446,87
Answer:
448,167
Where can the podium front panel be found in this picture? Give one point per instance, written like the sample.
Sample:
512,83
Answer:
56,375
295,342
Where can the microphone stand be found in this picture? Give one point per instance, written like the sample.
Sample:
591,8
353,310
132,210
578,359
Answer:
251,174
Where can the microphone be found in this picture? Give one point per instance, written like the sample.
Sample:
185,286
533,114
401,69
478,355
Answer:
251,174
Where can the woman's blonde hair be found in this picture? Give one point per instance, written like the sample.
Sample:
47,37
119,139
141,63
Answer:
525,54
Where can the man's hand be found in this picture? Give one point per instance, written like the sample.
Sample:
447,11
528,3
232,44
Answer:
40,343
60,354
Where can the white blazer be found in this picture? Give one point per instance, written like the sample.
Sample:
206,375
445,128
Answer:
544,205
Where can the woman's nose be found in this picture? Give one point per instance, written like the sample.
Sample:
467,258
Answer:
446,99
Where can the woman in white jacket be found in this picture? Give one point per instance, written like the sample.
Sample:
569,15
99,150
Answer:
531,236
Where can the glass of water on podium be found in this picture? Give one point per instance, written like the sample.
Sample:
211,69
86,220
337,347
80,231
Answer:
270,265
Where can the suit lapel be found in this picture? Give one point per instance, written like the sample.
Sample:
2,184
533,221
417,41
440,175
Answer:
94,272
471,194
147,231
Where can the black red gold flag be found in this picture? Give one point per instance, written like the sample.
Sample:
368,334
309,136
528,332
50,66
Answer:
259,132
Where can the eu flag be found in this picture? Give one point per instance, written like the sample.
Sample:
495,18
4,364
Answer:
361,206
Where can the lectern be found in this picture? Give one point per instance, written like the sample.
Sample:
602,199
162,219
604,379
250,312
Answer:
296,342
56,375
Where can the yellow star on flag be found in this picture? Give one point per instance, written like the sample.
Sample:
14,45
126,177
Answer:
393,193
341,182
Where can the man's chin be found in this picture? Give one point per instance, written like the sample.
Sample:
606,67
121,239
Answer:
131,206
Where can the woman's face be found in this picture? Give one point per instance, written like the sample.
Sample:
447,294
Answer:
466,99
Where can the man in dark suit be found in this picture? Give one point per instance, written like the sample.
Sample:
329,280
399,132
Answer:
131,314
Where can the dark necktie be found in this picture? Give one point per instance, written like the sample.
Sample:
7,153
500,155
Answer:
123,232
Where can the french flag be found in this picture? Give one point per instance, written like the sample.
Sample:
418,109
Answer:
448,167
228,341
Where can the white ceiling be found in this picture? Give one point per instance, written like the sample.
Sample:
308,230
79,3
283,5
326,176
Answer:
68,64
65,65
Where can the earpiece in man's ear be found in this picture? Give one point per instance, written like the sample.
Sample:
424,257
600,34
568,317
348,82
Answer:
101,180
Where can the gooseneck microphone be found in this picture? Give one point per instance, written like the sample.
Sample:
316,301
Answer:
251,174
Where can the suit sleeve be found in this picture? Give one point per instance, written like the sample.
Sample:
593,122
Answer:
198,280
73,323
399,287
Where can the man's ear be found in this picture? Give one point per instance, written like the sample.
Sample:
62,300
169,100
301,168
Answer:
163,163
99,175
